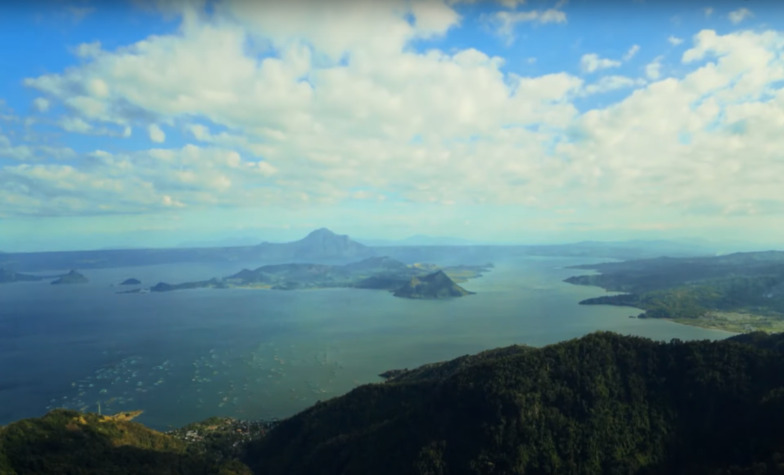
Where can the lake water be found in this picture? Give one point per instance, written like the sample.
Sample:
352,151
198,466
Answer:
186,355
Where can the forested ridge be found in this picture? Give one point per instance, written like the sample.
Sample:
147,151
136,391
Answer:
603,403
600,404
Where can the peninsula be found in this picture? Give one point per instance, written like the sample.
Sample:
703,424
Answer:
738,292
8,276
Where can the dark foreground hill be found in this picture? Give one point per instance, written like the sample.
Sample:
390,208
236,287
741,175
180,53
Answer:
600,404
603,403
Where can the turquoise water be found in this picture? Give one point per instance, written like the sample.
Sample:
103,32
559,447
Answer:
187,355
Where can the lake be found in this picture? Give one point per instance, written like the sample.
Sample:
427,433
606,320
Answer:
260,354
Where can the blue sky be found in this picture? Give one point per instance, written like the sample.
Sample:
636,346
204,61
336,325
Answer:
156,123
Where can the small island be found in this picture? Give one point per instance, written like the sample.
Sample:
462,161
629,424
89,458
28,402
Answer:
437,285
72,277
131,281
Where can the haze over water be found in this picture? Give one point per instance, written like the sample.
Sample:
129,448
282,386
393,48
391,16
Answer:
186,355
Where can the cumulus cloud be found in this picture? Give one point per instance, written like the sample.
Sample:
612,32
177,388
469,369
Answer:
653,69
737,16
727,112
591,62
155,133
675,41
330,109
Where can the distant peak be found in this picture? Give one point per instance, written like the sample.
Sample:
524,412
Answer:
322,232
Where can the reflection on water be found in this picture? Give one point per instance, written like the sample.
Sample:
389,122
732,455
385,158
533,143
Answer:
184,356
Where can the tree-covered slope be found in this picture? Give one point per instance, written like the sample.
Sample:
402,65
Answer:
601,404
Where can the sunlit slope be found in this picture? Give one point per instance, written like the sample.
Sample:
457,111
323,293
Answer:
600,404
70,442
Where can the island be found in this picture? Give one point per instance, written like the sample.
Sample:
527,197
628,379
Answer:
73,277
419,280
739,292
437,285
131,281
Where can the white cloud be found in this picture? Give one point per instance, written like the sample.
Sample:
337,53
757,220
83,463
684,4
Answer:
75,124
708,11
631,53
88,50
15,152
675,41
653,69
155,133
140,181
41,104
433,17
505,22
308,122
737,16
32,150
591,62
611,83
729,115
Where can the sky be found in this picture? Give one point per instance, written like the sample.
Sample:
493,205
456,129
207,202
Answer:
157,123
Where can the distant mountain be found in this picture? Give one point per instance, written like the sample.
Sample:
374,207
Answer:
131,281
437,285
72,277
320,245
